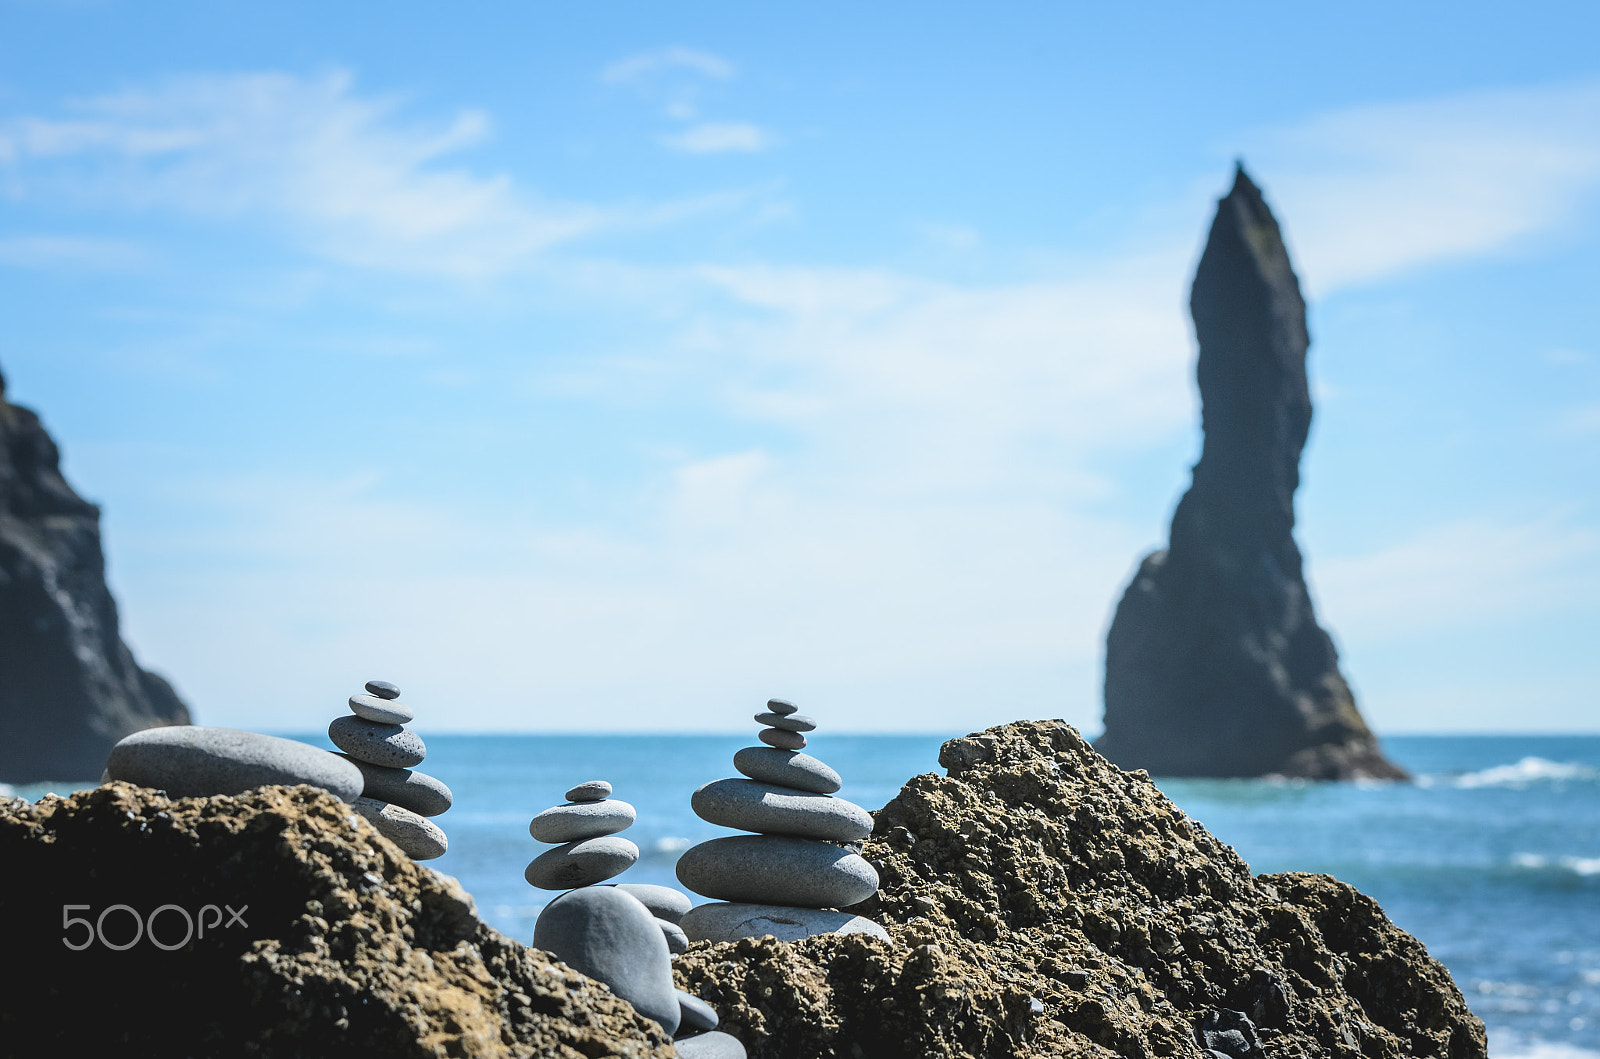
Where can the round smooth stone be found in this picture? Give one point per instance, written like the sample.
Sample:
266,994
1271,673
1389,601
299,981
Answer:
663,901
383,689
608,935
417,838
777,869
694,1014
781,739
677,940
580,820
783,706
722,921
389,745
582,863
787,768
592,791
380,709
794,722
191,761
761,807
417,791
713,1045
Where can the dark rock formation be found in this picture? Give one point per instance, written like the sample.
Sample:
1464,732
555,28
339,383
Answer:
1044,903
69,687
1215,663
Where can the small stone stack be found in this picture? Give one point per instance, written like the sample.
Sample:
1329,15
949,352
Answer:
586,827
788,878
394,799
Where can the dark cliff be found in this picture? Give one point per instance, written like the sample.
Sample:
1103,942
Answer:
1215,663
69,687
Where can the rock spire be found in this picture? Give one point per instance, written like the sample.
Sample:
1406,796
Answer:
1215,663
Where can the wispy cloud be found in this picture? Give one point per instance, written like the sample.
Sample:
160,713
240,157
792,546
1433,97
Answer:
636,67
72,253
719,137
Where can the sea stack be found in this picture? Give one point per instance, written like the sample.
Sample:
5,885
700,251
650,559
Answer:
801,865
1215,663
71,688
395,799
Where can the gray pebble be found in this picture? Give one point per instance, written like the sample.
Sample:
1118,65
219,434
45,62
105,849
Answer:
795,722
663,901
787,768
762,807
582,863
591,791
191,761
781,739
389,745
720,921
777,869
383,689
579,820
677,940
713,1045
417,791
1035,1006
419,839
695,1015
382,710
783,706
608,935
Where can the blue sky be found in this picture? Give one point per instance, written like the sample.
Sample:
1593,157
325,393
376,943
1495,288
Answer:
619,368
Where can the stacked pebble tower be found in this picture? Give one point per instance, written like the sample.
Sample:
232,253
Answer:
788,878
394,799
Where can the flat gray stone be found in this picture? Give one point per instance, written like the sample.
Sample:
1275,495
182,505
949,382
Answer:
713,1045
781,739
382,710
417,791
794,722
383,689
783,706
582,863
721,921
590,791
663,901
190,761
419,839
580,820
677,940
787,768
695,1015
608,935
778,870
390,745
750,805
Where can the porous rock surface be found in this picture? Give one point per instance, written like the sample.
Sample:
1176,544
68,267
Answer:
1044,903
348,947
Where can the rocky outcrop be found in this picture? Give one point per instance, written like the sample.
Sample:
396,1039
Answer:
1215,663
1043,903
69,687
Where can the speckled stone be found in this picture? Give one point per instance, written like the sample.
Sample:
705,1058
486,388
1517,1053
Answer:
580,820
783,706
193,761
389,745
794,722
677,940
419,839
609,936
383,689
778,870
695,1015
750,805
382,710
663,901
787,768
781,739
417,791
590,791
582,863
722,921
713,1045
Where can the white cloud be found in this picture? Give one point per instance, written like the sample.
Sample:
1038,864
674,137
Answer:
72,253
719,137
637,67
1580,421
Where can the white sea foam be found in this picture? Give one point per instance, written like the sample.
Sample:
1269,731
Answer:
1528,771
1577,865
7,791
1535,1049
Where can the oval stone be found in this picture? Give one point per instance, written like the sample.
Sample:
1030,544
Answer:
750,805
712,1045
794,722
383,689
389,745
580,820
609,936
778,870
781,739
695,1015
783,706
377,708
591,791
419,839
417,791
582,863
720,921
677,940
663,901
190,761
787,768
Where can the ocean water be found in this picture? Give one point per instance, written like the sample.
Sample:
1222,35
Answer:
1491,859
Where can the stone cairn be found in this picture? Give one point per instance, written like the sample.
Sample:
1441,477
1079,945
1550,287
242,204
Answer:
801,864
394,799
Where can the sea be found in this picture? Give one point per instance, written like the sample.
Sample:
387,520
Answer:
1491,858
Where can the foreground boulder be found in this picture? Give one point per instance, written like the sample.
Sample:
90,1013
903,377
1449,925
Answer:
276,922
1044,903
